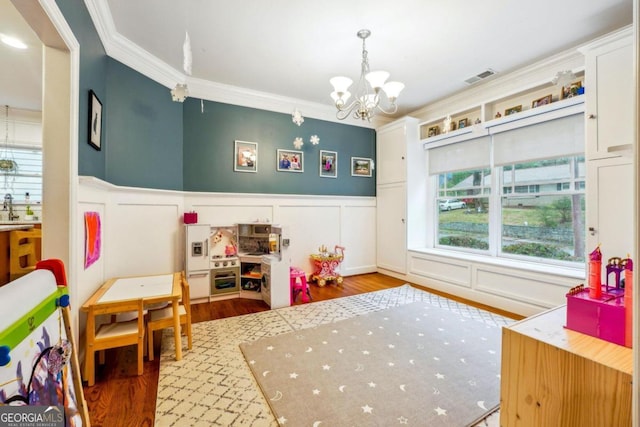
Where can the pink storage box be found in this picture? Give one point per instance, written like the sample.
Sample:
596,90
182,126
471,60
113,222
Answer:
190,217
602,318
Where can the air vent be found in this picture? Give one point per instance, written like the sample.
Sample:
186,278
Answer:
483,75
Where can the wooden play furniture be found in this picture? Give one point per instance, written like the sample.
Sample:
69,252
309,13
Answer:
117,294
163,318
553,376
325,264
298,283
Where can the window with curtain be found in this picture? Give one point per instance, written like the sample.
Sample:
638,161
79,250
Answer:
516,193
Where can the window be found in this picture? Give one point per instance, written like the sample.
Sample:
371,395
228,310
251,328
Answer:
538,212
27,178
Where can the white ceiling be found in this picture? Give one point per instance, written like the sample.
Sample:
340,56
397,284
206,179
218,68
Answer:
292,48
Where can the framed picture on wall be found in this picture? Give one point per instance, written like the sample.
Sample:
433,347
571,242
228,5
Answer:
361,166
95,121
328,164
290,161
245,156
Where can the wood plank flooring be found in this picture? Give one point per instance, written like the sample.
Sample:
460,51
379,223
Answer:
121,398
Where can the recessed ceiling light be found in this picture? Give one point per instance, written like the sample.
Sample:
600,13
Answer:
13,42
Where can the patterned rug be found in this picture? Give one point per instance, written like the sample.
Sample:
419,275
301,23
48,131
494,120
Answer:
415,364
213,386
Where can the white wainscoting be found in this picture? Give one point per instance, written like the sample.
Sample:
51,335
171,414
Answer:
515,288
142,229
309,222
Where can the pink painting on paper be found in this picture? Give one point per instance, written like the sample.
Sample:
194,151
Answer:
91,238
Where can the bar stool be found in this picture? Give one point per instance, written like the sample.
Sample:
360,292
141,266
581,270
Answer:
298,282
22,251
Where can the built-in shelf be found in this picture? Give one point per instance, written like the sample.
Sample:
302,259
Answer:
531,101
550,111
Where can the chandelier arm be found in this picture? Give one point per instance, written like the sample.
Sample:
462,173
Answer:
394,108
344,112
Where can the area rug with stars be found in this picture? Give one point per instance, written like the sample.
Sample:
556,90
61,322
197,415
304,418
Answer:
416,364
429,361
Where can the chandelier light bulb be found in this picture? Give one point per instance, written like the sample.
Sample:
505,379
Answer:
392,90
377,78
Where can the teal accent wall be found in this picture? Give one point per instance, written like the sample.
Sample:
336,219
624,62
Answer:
149,141
143,131
93,68
210,132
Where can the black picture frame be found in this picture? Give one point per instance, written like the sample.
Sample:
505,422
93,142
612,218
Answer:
95,121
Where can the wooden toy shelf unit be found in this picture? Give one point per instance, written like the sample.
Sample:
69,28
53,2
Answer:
528,102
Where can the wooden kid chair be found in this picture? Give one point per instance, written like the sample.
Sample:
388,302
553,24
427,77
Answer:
22,251
163,318
111,335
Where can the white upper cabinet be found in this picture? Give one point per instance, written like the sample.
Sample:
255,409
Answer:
609,93
391,153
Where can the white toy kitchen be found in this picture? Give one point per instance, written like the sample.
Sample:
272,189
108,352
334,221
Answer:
246,260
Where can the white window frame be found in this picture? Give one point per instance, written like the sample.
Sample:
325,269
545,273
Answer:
495,223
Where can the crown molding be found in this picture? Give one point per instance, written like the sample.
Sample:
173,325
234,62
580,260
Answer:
124,50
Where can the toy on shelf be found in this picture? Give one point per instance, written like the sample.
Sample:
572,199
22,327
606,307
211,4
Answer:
595,273
603,313
325,264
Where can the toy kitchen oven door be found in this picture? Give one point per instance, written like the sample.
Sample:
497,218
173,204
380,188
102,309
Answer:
224,263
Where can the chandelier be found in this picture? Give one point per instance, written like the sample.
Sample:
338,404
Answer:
367,94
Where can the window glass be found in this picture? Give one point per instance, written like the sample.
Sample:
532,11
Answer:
26,178
463,209
545,219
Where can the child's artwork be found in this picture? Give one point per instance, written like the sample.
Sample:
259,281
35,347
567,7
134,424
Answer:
92,238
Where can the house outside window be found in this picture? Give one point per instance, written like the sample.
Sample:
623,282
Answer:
537,214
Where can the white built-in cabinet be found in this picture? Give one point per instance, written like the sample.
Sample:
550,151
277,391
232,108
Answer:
398,179
610,130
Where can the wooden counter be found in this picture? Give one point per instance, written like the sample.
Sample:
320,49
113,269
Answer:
555,376
5,228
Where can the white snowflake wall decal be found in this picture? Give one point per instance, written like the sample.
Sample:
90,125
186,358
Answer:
296,117
315,140
298,143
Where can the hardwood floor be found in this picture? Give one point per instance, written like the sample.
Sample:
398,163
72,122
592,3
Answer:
121,398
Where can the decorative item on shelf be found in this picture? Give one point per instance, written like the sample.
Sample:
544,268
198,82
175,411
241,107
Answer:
462,123
314,140
542,101
446,125
297,143
296,117
367,94
563,78
498,115
571,90
433,131
478,121
513,110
